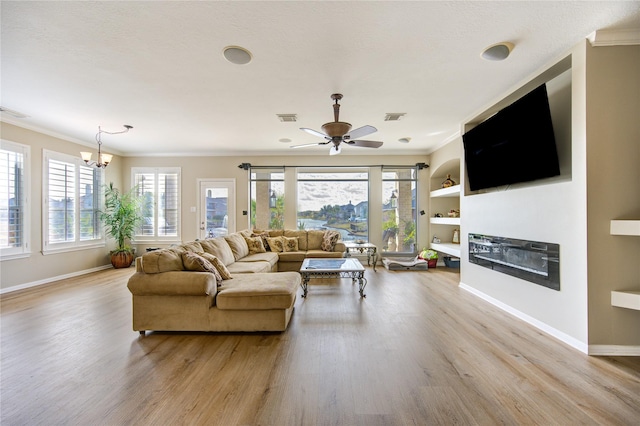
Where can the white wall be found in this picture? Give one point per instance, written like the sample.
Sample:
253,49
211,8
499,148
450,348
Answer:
552,210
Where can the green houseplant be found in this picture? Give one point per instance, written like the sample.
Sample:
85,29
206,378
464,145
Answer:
121,216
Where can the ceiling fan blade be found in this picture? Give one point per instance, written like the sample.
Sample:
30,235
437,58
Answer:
360,132
309,144
315,133
335,150
365,144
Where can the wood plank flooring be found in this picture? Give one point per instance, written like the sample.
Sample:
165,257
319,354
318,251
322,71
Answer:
416,351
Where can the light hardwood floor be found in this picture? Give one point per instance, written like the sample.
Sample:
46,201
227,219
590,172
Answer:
417,351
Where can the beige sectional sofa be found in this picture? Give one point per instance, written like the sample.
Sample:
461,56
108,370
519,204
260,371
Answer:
228,288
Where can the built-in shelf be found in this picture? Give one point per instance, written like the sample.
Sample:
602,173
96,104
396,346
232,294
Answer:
447,248
625,227
445,220
626,299
452,191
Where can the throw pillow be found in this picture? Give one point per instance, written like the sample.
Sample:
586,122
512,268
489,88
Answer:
276,244
264,235
224,272
329,240
219,247
290,243
211,258
238,245
255,245
194,262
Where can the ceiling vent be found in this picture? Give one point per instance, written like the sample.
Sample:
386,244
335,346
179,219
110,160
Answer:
394,116
287,118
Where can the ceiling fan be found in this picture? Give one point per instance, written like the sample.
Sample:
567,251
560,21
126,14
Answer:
338,132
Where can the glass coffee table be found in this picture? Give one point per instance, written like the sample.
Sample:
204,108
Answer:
333,268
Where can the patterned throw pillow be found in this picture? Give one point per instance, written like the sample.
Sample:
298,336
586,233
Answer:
224,272
211,258
329,240
194,262
276,244
255,245
264,235
290,243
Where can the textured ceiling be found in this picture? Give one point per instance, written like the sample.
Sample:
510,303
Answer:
158,66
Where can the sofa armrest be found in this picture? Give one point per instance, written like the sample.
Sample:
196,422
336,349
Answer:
172,283
340,247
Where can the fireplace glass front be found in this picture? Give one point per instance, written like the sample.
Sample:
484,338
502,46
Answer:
533,261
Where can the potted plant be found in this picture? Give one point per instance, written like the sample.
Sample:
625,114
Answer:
121,216
431,256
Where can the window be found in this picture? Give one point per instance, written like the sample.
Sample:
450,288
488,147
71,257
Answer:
72,202
267,198
399,209
160,190
14,206
334,199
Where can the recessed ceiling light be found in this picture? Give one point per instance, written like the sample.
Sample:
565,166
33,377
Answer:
237,55
498,52
284,140
404,140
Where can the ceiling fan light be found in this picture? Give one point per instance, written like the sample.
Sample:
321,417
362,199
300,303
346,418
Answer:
335,150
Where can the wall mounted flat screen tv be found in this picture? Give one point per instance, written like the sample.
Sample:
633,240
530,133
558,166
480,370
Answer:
515,145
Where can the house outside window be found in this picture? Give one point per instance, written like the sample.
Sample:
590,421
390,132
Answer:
160,191
14,205
72,199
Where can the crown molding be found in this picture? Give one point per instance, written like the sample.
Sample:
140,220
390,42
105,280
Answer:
626,37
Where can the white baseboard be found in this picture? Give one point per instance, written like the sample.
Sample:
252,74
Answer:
563,337
52,279
614,350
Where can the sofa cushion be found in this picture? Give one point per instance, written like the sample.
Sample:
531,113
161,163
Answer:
242,267
275,290
290,243
322,253
329,240
219,248
268,256
300,234
238,245
193,246
255,244
292,256
276,244
164,260
314,239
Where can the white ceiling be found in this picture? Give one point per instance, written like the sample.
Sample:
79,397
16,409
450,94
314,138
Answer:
158,66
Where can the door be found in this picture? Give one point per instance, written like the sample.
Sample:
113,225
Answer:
217,210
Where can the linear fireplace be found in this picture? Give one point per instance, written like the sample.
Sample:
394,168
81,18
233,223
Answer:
533,261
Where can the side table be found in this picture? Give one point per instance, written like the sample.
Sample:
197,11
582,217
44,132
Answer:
370,249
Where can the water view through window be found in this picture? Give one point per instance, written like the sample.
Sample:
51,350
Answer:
336,200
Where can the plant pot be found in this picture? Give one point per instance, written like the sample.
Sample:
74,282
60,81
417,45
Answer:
432,263
122,259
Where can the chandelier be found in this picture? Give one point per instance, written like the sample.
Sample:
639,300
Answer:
103,159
